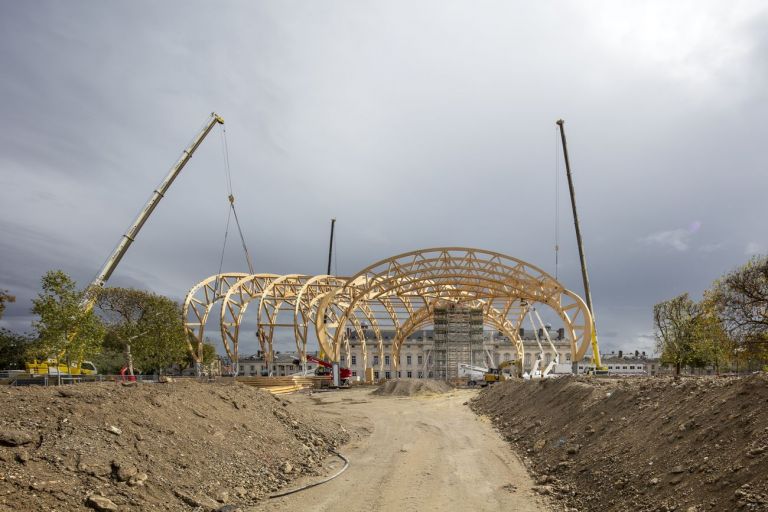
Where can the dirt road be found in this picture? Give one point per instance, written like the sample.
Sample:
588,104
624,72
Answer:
427,453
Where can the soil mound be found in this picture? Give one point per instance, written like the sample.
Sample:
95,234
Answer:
176,446
412,387
647,444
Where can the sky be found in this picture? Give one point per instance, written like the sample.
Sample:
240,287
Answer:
414,124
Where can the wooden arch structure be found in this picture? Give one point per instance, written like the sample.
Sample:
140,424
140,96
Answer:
398,293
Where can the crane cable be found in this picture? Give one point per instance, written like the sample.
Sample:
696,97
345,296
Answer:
557,207
232,212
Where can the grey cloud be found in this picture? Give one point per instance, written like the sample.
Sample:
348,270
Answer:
415,125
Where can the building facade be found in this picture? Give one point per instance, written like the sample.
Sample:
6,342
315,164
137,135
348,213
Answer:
425,355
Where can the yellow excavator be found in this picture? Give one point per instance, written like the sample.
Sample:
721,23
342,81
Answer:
58,365
497,374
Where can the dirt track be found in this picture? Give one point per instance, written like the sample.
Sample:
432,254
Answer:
428,453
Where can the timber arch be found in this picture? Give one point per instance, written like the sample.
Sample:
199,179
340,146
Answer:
399,293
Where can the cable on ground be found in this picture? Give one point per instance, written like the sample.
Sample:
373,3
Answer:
315,484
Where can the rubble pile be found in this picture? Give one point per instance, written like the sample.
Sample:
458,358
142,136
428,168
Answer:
176,446
412,387
650,444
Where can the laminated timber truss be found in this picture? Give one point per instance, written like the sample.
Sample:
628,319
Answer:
397,294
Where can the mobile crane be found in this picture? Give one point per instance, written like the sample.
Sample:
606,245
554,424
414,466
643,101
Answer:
325,368
598,365
52,365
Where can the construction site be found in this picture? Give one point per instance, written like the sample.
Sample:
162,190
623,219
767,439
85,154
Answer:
389,280
468,429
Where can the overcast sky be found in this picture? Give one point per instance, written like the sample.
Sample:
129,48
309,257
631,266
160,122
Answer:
415,124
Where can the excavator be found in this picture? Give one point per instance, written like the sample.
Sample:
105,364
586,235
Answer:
497,374
56,365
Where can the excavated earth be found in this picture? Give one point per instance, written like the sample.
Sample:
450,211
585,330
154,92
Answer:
175,446
412,387
651,444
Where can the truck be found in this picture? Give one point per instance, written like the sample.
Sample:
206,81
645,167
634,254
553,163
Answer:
52,367
473,374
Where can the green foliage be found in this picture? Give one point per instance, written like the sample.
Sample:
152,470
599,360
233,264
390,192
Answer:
740,299
5,297
66,328
13,349
209,353
109,362
147,323
674,329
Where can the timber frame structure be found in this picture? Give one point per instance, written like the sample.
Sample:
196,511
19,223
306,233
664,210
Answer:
398,293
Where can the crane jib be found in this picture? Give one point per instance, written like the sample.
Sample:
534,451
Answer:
130,235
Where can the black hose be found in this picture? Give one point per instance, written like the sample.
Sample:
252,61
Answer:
308,486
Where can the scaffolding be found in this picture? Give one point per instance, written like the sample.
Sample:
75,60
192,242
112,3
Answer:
458,339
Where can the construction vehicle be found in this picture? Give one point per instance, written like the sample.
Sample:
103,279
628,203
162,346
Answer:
89,297
53,367
583,260
324,368
497,374
474,374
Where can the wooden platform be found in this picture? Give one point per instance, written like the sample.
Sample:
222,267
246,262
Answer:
283,385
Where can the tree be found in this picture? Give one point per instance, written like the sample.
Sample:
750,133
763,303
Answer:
13,349
145,326
67,330
711,343
740,299
674,329
5,297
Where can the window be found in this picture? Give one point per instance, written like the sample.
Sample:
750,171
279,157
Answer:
420,360
375,361
408,359
376,375
421,375
253,367
624,368
430,375
409,374
354,373
631,367
354,360
242,367
387,375
567,356
386,361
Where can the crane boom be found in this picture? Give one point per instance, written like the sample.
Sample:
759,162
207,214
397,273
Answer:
157,195
582,258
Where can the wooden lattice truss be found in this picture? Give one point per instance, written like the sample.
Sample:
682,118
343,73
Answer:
397,294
